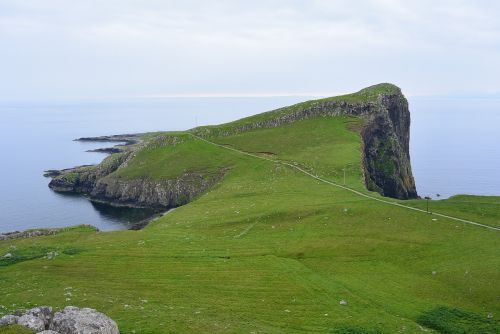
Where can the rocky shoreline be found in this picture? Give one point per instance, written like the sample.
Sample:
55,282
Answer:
28,234
100,184
385,156
127,139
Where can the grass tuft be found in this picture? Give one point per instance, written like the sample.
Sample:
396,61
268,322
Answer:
455,321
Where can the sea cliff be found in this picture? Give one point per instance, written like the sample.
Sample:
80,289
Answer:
385,136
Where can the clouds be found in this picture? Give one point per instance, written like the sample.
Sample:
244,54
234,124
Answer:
120,48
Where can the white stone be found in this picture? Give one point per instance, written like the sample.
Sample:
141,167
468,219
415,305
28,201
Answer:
8,320
73,320
32,322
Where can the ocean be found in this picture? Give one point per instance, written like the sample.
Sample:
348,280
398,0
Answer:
454,149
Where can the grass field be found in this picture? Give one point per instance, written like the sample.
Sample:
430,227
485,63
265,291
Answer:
271,250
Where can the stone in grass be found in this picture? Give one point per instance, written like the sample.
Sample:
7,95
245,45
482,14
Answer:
32,322
74,320
343,302
8,320
42,312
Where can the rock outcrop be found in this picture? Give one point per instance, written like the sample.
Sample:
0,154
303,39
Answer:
385,134
386,146
100,184
28,234
71,320
385,153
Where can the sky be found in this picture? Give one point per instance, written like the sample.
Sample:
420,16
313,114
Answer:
90,49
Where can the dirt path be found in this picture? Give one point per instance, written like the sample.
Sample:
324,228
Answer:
386,201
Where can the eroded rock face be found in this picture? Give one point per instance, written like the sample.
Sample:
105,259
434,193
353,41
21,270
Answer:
385,136
99,183
386,159
386,146
32,322
44,313
73,320
8,320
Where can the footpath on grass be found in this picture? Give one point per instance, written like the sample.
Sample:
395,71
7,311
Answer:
386,201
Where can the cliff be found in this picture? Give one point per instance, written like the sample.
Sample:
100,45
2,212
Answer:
385,134
385,153
103,183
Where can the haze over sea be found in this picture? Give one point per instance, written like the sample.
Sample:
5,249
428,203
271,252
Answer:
454,149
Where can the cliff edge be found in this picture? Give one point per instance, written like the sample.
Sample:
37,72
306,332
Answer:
385,138
385,134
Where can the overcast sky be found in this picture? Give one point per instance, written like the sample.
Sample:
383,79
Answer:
51,49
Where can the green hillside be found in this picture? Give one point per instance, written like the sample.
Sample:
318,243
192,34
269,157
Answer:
271,249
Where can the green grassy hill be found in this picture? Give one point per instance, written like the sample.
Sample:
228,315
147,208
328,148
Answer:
271,249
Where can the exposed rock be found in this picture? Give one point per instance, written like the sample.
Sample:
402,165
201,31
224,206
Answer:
8,320
42,312
343,302
7,256
385,134
386,146
101,185
385,138
26,234
108,150
127,139
32,322
73,320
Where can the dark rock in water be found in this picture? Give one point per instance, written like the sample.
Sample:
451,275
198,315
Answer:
56,172
108,150
73,320
51,173
99,184
127,139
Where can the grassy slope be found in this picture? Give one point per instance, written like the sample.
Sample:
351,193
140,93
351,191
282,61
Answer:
269,250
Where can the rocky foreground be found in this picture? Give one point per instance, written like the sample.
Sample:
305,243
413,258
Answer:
71,320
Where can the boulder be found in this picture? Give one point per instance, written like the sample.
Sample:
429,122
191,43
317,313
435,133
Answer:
8,320
31,322
73,320
42,312
48,331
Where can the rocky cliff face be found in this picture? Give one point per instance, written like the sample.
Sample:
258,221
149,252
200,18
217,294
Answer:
100,184
385,135
386,144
